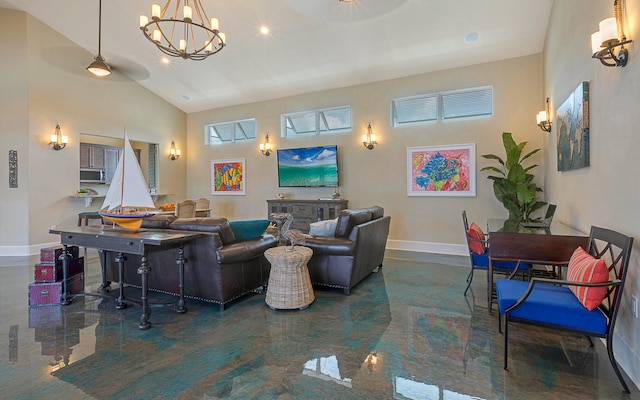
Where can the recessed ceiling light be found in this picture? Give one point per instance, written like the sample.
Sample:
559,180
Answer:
471,37
165,60
264,30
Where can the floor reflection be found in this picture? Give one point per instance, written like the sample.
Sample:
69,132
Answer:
405,332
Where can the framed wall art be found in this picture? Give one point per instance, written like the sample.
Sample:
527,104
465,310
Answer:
572,122
228,177
442,170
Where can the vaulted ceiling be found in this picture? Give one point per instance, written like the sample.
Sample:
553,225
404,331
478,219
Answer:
311,45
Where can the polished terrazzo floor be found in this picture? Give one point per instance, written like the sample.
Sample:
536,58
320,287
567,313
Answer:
406,332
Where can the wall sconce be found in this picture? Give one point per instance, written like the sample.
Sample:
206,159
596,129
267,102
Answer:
174,153
265,148
609,38
58,141
369,139
543,119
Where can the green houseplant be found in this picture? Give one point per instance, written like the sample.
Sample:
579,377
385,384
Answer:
513,185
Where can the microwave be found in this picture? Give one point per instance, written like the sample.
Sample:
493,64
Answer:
92,176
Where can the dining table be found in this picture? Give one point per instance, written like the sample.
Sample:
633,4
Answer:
547,247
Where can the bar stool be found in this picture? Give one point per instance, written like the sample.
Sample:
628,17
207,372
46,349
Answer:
87,215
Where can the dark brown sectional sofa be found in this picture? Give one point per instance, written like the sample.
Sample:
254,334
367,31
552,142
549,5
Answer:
219,268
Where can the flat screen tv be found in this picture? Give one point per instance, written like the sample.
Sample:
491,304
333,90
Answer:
308,167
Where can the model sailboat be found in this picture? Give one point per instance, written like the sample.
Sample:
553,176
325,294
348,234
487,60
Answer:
127,200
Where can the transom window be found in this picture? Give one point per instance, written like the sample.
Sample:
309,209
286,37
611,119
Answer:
466,103
232,131
317,122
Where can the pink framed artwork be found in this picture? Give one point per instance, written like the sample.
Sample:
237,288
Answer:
228,177
448,170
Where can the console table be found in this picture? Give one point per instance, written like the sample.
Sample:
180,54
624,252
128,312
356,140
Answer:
125,242
305,212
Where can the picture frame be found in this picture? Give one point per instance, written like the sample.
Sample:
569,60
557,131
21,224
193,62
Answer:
447,170
228,177
572,130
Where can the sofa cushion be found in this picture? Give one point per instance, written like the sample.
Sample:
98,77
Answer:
249,229
585,268
350,218
216,225
376,212
159,221
326,228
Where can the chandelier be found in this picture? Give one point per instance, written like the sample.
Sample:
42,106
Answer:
188,32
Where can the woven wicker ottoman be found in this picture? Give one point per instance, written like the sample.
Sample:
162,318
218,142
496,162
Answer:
289,282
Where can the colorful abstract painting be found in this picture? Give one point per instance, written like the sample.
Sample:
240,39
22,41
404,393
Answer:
441,170
572,127
228,177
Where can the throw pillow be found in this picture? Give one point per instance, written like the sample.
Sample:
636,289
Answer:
326,228
249,229
475,232
583,267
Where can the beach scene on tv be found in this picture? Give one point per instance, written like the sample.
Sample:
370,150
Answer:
306,167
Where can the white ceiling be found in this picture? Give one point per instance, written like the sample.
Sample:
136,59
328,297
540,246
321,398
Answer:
312,45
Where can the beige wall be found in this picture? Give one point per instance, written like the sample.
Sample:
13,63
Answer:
606,193
44,81
379,176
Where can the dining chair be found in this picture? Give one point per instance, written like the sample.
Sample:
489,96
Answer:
202,207
586,303
477,244
186,209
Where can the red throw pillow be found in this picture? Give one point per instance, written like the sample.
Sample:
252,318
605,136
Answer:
475,232
583,267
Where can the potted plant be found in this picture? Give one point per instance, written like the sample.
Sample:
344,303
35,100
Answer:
513,185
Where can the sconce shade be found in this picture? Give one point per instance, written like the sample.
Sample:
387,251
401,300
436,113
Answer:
607,44
174,153
542,118
58,140
265,148
369,138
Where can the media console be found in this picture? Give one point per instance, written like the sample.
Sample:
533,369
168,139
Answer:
305,212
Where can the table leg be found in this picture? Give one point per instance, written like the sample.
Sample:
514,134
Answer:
65,257
180,261
490,285
143,270
104,286
120,259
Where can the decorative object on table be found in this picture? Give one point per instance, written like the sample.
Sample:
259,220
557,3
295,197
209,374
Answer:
514,186
336,194
128,200
228,177
293,236
192,35
168,207
280,196
13,169
572,127
611,37
442,170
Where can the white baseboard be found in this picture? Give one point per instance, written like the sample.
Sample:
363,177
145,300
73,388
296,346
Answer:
24,251
427,247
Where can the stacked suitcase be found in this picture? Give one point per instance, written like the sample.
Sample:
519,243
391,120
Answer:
48,286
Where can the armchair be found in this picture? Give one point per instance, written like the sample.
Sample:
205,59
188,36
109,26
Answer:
586,303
